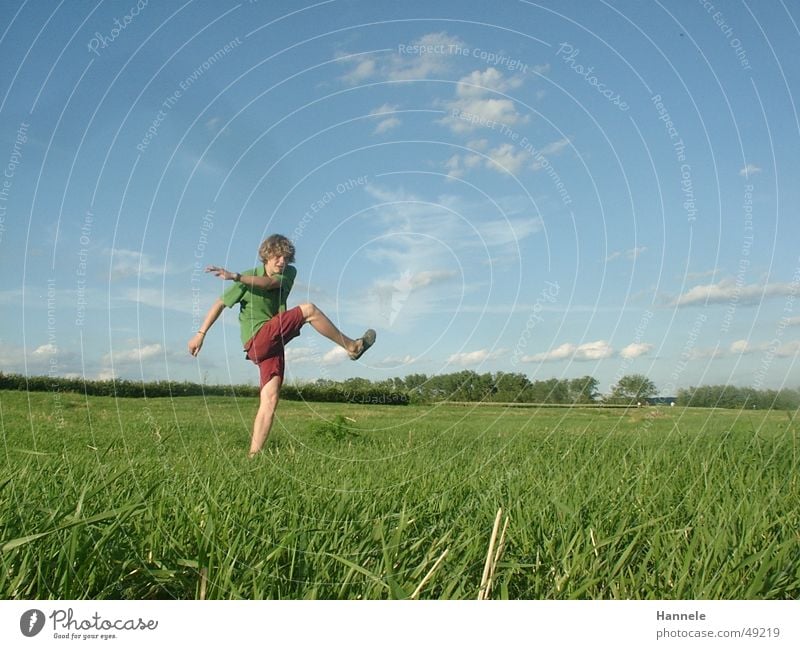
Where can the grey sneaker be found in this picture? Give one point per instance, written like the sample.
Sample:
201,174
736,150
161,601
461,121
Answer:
367,341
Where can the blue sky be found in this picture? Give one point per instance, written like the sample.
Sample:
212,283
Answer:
558,189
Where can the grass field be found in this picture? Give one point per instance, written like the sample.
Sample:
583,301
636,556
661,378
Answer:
105,498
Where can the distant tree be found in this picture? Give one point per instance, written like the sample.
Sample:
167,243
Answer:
583,390
510,387
729,396
633,387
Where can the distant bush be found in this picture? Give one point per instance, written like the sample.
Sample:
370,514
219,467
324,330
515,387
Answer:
329,391
464,386
730,396
121,388
333,392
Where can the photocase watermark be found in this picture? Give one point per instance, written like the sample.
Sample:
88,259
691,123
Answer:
727,30
51,350
172,100
206,225
81,270
31,622
548,295
14,160
100,41
569,54
679,148
494,59
744,258
320,203
67,626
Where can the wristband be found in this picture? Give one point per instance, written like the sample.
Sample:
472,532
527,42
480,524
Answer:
237,277
202,333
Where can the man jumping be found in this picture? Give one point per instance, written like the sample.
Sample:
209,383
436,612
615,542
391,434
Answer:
266,325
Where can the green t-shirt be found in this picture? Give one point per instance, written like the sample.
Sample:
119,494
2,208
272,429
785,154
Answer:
257,306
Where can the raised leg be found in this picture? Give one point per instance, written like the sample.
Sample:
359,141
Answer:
317,319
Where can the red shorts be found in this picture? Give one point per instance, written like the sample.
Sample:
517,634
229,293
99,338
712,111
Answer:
265,349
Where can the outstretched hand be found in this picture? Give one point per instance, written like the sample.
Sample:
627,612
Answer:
219,271
196,343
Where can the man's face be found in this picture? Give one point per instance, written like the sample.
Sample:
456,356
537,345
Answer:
275,264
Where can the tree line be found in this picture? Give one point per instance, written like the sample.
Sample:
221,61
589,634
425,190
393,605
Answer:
463,386
730,396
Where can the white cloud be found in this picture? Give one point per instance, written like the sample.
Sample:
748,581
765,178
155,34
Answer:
728,291
45,350
549,149
454,166
384,109
554,148
502,232
466,115
749,170
458,164
388,121
477,83
479,145
434,58
477,105
428,277
386,125
428,56
703,274
507,158
132,263
158,299
42,359
632,253
428,248
213,124
475,358
708,353
401,295
559,353
793,321
592,351
364,69
301,354
134,355
788,350
395,361
740,347
634,350
785,350
504,158
335,356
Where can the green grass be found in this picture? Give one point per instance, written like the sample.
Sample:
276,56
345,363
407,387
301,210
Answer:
133,498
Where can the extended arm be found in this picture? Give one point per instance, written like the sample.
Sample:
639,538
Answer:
211,317
264,283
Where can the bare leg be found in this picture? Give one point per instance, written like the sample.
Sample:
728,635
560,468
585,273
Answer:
317,319
266,411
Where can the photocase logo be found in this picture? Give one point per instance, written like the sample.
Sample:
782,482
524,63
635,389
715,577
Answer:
31,622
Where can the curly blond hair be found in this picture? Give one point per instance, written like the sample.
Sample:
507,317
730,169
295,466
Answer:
276,245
